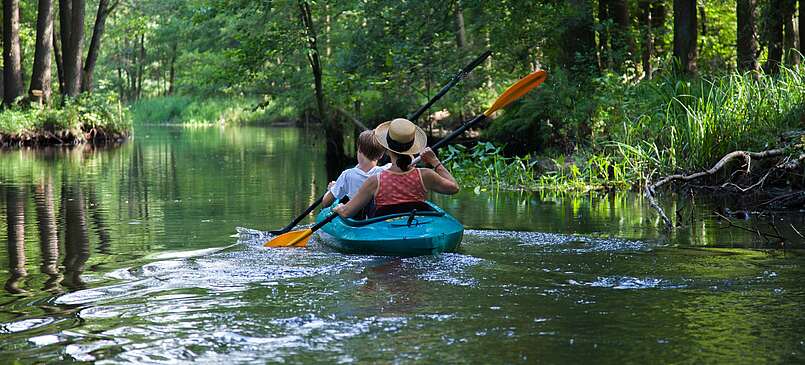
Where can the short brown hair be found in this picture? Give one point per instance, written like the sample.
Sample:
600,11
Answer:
368,146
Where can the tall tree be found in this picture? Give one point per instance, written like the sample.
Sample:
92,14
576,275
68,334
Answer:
332,129
623,46
95,44
648,36
578,37
685,35
461,32
774,35
40,78
59,64
71,20
790,32
12,67
801,27
747,41
603,34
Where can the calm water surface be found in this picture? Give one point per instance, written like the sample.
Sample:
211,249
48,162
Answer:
131,254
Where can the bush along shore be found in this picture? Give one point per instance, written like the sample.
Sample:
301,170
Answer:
195,111
88,118
738,134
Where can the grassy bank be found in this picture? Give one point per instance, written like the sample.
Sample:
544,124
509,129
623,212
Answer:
186,110
623,132
87,117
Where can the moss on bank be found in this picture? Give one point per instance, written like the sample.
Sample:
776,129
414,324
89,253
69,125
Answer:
94,118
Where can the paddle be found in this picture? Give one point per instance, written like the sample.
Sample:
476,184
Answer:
514,92
462,74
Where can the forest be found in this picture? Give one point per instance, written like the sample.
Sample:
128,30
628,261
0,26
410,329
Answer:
637,88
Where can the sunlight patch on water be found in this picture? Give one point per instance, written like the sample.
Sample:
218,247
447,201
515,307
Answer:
628,283
561,242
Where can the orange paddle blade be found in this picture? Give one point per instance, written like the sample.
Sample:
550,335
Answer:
517,91
293,238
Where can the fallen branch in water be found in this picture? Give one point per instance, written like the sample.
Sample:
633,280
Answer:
788,163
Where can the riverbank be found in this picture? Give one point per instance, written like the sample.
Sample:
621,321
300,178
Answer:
215,111
619,134
89,118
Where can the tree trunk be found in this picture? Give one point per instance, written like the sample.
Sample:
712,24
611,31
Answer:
659,15
648,37
71,17
685,35
141,68
604,61
12,67
172,74
578,38
40,78
623,47
59,64
333,132
790,33
95,44
747,43
801,18
775,36
461,34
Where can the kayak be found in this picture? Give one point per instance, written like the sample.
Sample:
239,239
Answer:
419,232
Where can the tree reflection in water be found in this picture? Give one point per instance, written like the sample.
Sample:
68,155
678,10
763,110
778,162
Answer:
76,240
48,232
15,216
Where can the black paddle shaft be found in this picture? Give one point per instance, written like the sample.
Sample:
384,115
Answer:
458,77
459,130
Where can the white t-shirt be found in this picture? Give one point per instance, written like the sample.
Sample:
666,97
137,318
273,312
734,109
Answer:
351,180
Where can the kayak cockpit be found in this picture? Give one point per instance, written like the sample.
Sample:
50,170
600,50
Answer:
426,209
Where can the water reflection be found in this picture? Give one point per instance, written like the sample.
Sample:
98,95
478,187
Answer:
128,241
76,240
15,216
48,232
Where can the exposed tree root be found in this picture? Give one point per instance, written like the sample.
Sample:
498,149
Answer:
69,137
752,176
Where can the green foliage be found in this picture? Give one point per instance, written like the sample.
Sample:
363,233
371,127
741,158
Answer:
664,125
86,112
485,167
200,111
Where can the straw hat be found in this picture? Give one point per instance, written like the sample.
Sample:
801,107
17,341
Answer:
401,136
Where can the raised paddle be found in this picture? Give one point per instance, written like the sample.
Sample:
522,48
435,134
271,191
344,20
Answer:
462,74
514,92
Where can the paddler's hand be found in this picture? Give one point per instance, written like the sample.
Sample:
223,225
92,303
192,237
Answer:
341,209
330,185
429,157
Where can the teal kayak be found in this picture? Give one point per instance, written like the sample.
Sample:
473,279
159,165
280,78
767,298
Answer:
425,232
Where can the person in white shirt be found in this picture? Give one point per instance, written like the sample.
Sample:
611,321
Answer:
350,180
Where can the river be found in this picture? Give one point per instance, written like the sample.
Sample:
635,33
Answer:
130,254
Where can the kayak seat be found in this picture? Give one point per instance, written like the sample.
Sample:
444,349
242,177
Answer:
397,211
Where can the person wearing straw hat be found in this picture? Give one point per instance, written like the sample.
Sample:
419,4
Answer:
402,186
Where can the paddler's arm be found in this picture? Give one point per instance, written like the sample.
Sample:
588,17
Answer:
361,198
328,198
439,179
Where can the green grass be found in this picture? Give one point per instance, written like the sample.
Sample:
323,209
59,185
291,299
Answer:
208,111
622,133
